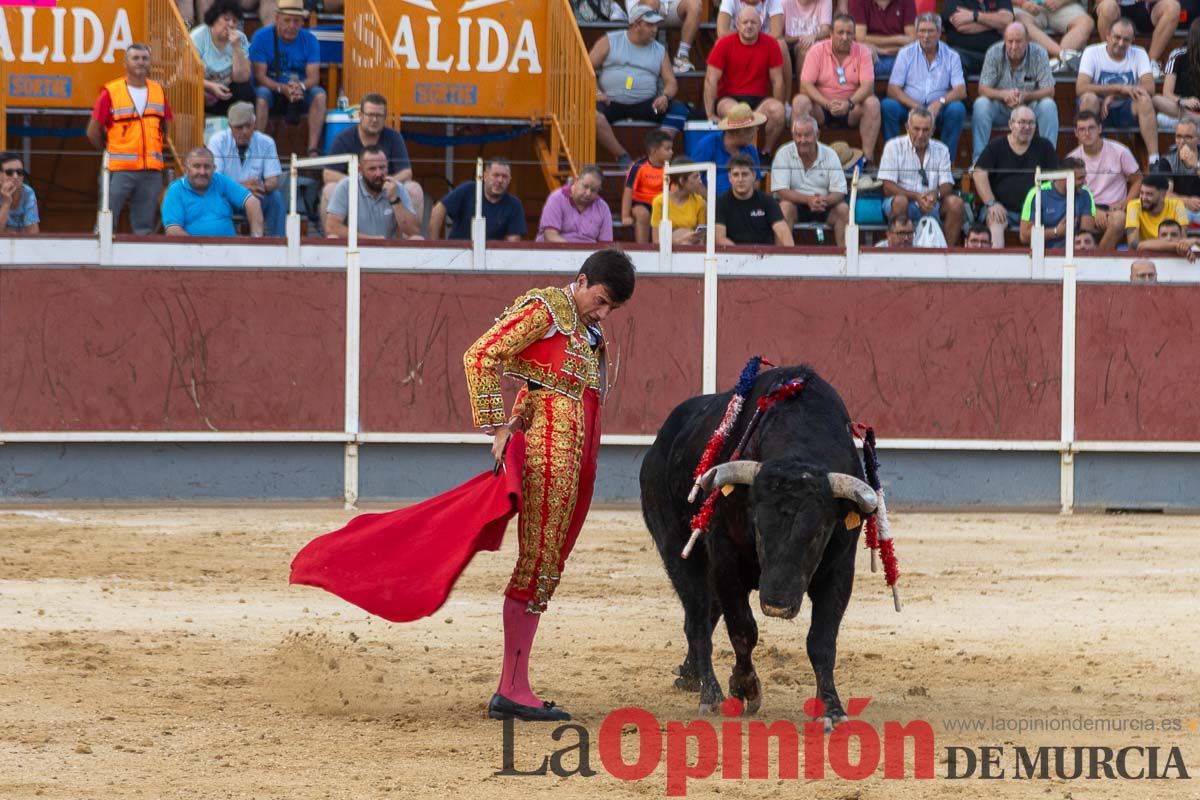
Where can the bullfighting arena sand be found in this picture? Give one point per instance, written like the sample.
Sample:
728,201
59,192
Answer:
160,653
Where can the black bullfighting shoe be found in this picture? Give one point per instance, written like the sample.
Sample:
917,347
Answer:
500,707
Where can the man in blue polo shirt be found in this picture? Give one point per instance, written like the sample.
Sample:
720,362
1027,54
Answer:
202,203
504,214
1054,207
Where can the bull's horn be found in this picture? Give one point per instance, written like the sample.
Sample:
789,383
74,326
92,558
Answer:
730,472
851,488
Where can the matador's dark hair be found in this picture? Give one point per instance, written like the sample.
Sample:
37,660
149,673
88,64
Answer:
613,269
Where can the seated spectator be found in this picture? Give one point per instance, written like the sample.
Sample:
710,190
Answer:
808,182
687,211
979,237
806,22
1015,73
746,215
1182,77
18,203
973,26
1159,18
772,22
1113,176
885,27
225,53
1069,18
1085,240
1144,215
503,213
634,81
1005,170
899,231
203,202
287,72
372,129
683,14
644,182
837,85
746,68
1142,271
385,210
577,212
928,75
250,158
1181,166
1115,82
1171,231
1054,208
735,134
193,11
915,170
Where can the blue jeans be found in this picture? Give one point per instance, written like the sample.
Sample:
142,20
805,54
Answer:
949,123
987,114
914,210
883,69
273,214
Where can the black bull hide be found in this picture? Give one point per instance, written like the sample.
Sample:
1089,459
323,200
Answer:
783,535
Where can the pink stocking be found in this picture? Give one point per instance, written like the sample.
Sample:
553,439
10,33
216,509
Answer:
519,629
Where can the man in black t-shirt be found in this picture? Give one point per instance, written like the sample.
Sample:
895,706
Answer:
373,130
972,26
503,214
1183,167
1005,169
746,215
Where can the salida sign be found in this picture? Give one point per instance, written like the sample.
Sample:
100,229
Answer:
470,58
60,56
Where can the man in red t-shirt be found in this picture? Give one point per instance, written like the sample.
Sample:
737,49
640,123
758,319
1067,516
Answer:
746,67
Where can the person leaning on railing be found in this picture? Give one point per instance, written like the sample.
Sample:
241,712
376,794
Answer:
129,121
503,213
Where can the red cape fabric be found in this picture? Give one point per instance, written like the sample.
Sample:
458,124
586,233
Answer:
401,565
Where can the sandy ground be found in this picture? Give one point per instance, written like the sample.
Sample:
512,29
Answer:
159,652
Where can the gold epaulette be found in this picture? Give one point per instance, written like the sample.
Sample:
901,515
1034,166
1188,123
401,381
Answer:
558,302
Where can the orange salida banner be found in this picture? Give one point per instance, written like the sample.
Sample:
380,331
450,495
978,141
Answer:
469,58
60,56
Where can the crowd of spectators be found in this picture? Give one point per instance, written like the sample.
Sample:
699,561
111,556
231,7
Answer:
807,68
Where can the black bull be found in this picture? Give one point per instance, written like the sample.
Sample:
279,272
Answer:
784,533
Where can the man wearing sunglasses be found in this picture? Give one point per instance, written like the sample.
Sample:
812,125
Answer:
18,203
837,85
915,170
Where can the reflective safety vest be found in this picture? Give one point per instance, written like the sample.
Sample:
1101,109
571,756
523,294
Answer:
136,141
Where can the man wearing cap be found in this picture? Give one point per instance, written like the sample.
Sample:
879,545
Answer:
735,134
808,182
747,67
837,85
634,81
287,72
129,122
250,158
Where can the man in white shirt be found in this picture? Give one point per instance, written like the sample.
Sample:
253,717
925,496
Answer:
808,181
1116,82
1159,18
915,170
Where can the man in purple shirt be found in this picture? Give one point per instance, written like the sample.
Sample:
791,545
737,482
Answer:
577,212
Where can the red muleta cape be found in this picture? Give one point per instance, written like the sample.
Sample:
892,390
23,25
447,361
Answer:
401,565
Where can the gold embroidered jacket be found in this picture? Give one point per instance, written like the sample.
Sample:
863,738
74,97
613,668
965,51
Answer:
538,338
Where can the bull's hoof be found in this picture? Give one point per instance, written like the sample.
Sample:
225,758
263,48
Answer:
708,709
748,689
830,722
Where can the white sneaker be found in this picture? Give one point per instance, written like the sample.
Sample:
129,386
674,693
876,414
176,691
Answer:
682,64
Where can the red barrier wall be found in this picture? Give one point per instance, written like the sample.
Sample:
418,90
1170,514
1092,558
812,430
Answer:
112,349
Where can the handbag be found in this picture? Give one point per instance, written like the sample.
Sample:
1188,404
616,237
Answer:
929,233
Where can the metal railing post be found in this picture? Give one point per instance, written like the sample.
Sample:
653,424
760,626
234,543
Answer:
1037,238
293,218
353,330
709,373
104,221
852,246
664,225
478,223
1069,286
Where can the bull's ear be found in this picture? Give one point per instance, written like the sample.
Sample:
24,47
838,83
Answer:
728,473
848,487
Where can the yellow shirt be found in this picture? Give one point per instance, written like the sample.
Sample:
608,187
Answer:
1147,224
690,215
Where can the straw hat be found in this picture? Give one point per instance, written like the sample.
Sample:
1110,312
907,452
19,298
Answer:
741,116
294,7
847,155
